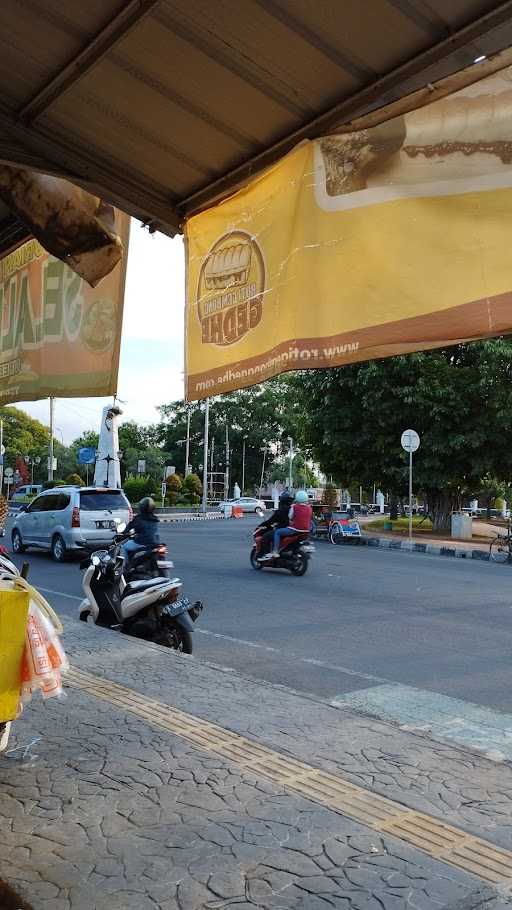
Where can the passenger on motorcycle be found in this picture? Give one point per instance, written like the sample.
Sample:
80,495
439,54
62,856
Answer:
278,519
145,528
299,521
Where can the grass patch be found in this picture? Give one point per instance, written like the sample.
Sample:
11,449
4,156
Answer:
401,524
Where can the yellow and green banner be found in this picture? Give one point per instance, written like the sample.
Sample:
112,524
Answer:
58,335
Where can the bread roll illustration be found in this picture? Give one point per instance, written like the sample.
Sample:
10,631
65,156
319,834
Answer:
228,267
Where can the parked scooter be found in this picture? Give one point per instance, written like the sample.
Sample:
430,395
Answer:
294,554
148,608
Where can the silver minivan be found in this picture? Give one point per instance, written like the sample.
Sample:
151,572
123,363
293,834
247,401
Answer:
68,519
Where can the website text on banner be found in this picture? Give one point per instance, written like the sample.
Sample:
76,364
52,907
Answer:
58,336
358,245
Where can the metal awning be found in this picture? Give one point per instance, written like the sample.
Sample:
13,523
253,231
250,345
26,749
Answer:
161,106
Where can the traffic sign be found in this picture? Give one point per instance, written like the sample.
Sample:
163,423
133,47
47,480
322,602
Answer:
410,440
8,474
164,490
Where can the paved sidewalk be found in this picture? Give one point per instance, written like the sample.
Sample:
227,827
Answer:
164,782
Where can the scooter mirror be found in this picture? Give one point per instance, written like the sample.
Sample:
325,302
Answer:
121,527
95,560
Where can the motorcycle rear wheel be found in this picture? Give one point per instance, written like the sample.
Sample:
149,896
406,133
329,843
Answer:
177,638
300,566
254,560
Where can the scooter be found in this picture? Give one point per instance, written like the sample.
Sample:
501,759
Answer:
150,562
148,608
294,554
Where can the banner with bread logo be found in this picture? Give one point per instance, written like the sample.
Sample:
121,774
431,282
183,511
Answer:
362,244
59,336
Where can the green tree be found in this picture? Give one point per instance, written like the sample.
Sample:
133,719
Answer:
265,414
459,400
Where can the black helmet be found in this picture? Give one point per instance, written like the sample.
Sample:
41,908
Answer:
147,505
286,498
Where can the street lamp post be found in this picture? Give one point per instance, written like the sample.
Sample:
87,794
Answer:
32,460
243,463
187,447
205,455
290,475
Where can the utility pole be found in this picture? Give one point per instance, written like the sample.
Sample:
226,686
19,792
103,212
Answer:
187,447
243,464
290,473
226,482
205,455
263,468
50,457
212,452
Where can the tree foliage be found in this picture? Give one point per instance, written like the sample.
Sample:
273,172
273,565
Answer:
459,400
263,414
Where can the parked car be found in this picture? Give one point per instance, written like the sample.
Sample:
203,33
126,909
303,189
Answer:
26,492
246,503
67,519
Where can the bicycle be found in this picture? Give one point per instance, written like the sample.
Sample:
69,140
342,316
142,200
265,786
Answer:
500,549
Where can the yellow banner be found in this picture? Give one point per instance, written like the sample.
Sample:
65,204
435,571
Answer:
358,245
13,624
58,336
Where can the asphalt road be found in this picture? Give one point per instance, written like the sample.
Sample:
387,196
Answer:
360,618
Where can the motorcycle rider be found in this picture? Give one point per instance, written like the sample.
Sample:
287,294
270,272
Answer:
299,521
145,528
278,519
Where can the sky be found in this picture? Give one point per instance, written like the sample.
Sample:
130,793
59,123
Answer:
151,365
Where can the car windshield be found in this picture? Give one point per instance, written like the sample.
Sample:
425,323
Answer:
96,500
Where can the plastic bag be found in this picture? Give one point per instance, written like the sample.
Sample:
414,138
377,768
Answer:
43,658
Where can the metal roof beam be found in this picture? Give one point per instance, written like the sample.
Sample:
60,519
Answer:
350,107
89,56
111,180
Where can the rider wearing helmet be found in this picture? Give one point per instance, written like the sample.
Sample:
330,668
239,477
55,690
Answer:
299,521
278,519
145,528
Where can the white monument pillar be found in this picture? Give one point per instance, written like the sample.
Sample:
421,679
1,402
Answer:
107,472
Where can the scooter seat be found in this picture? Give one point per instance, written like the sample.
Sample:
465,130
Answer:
136,587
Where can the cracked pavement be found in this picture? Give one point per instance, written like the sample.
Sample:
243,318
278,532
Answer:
99,810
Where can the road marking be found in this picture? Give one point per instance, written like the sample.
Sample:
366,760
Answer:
444,718
59,593
288,655
444,842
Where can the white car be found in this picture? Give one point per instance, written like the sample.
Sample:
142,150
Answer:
67,519
246,503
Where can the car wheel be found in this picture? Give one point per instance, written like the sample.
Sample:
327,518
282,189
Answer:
17,543
58,548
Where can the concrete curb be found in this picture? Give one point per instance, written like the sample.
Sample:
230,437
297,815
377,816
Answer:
186,517
386,543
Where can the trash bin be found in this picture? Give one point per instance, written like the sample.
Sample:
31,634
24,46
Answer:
462,525
228,509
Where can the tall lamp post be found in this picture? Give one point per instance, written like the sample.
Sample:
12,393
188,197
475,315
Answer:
32,460
243,463
290,474
187,447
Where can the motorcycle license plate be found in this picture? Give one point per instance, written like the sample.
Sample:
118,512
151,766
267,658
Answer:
181,606
106,525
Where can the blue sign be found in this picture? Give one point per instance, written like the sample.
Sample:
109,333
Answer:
86,456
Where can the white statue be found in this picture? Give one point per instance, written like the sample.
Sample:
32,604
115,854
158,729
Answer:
107,472
236,491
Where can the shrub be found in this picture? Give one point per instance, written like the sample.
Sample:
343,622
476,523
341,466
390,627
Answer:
75,480
136,488
174,483
192,488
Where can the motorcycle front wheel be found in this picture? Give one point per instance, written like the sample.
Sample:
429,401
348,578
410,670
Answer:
300,565
254,560
176,638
